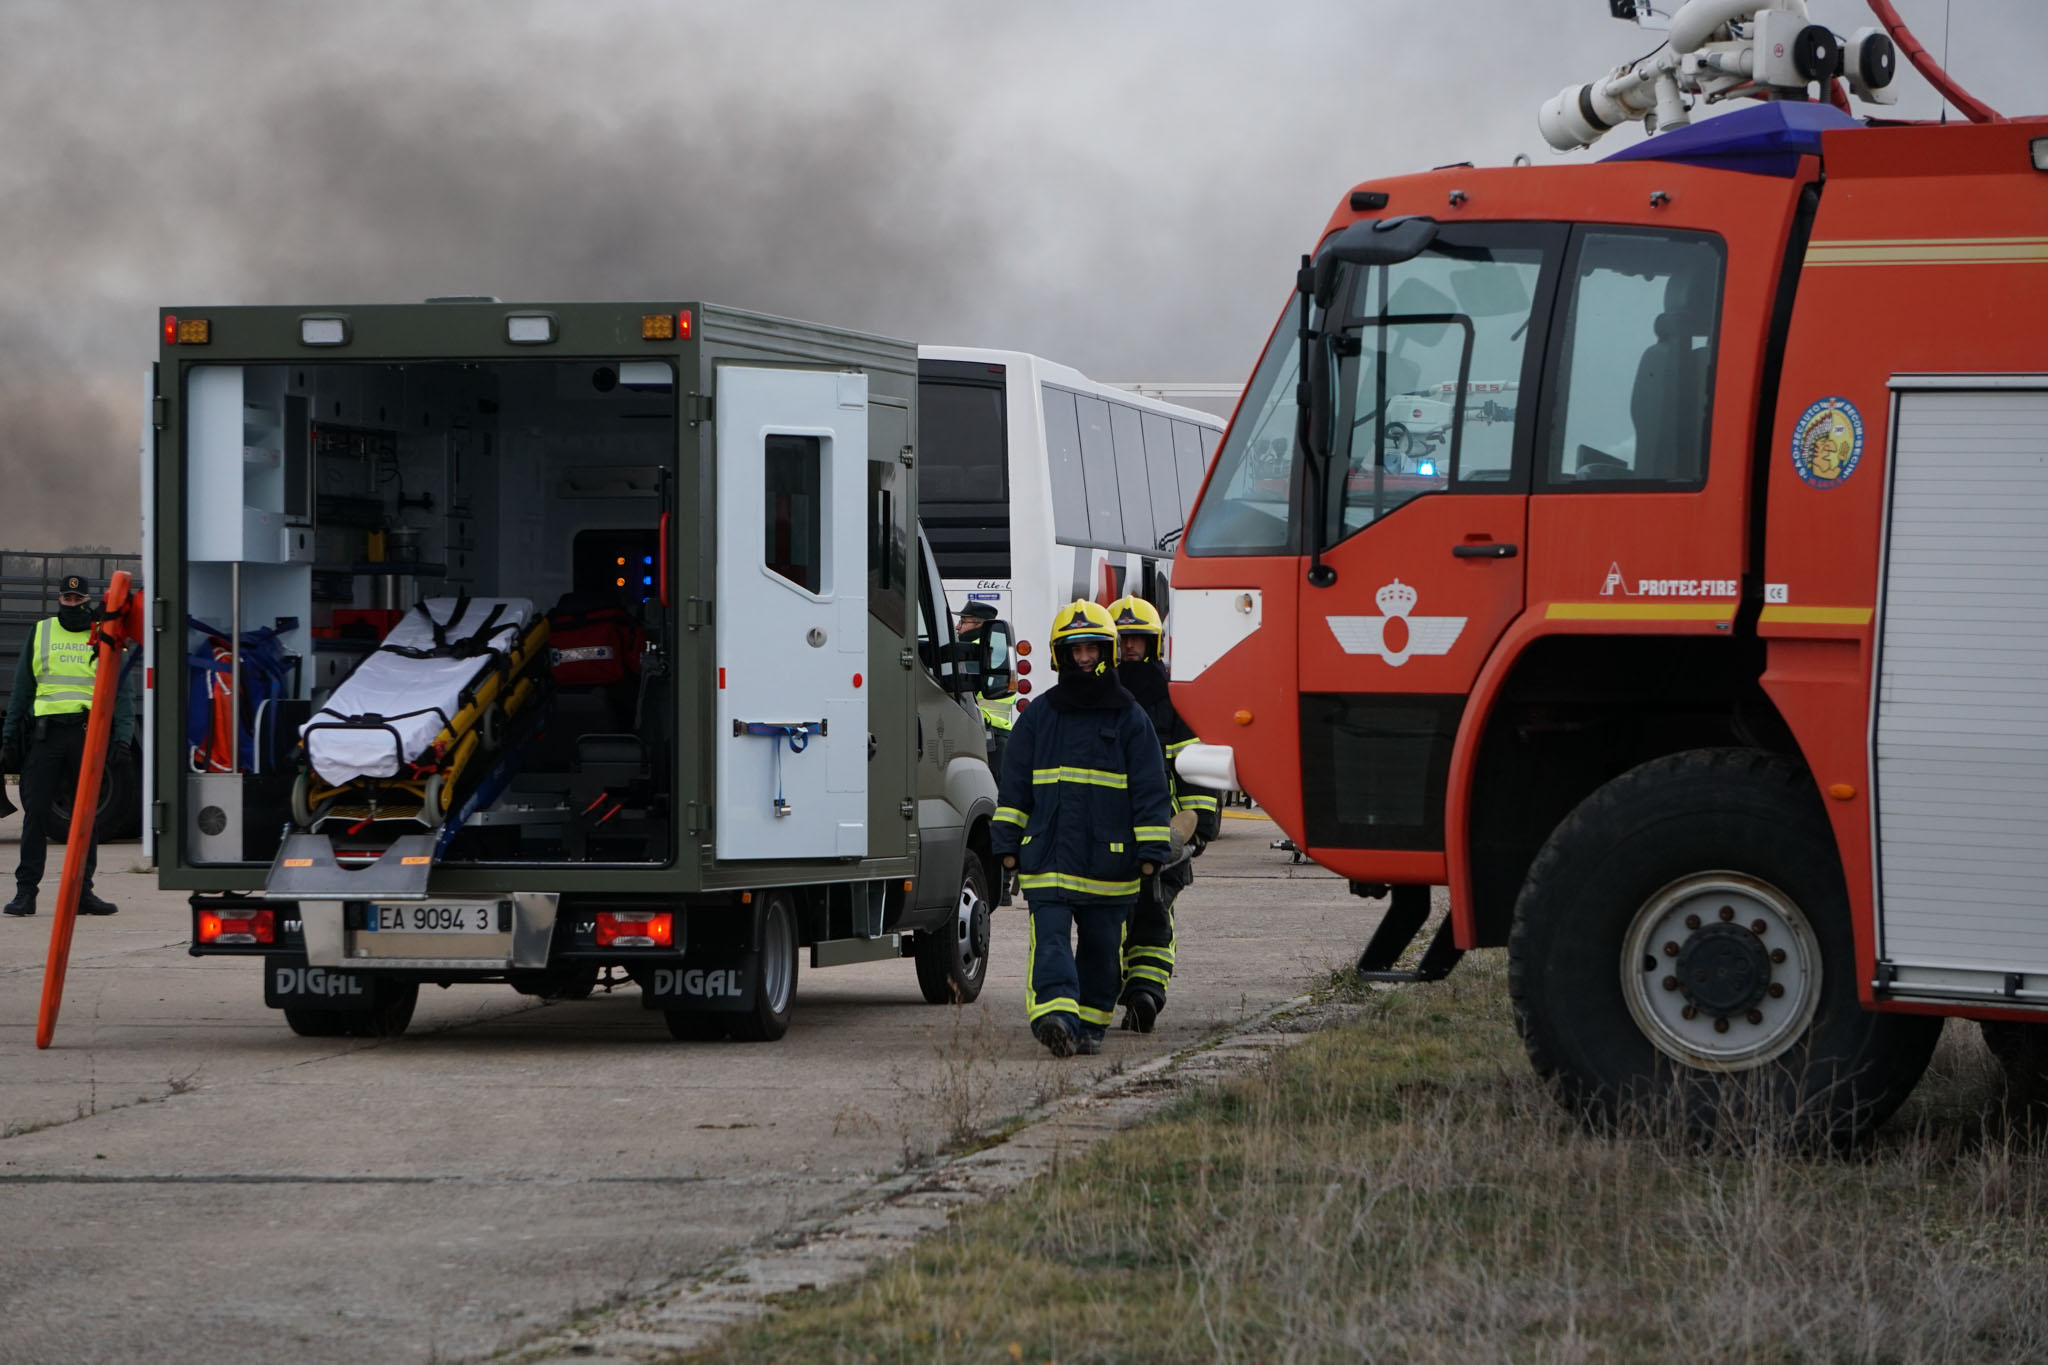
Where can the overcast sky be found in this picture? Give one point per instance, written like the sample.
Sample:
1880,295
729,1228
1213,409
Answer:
1122,187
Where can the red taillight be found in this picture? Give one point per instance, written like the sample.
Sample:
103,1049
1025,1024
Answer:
635,929
1023,687
683,325
257,927
1023,668
170,330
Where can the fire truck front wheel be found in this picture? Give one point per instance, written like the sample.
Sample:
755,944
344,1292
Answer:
1682,949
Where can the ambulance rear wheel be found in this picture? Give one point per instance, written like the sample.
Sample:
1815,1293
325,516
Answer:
390,1012
695,1026
952,958
317,1023
774,971
1682,951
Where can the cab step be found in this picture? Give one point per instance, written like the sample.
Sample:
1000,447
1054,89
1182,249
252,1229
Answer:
1407,912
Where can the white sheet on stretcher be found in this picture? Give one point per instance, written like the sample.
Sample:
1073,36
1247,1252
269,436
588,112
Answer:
391,685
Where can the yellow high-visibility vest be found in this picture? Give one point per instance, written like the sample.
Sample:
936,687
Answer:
64,669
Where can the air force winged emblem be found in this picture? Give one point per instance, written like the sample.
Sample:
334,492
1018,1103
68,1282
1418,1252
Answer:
1396,636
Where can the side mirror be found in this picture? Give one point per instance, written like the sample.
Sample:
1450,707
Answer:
995,664
1370,241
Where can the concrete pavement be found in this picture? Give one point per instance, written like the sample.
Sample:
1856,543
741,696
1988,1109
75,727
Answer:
183,1178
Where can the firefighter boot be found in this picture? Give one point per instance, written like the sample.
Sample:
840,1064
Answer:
1057,1035
89,904
1142,1004
24,903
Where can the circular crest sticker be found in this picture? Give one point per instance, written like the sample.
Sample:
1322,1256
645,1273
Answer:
1827,443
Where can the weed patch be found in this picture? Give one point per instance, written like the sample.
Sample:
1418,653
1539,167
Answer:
1401,1187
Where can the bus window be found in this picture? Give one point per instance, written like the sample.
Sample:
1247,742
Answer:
1063,456
1098,456
1163,483
1131,476
961,454
1187,457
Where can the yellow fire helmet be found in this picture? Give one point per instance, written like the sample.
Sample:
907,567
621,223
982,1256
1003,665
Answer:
1083,620
1134,616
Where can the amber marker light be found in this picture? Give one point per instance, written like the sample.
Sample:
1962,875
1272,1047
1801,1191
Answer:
1243,718
657,327
1842,791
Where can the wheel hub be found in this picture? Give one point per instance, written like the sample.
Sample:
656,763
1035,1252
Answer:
1724,969
1721,971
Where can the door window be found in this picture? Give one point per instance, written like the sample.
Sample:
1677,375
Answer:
1249,509
1635,362
1430,370
796,509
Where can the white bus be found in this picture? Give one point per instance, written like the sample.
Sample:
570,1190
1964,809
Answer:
1037,485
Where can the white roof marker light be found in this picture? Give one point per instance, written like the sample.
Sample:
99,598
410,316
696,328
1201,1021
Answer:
327,331
530,329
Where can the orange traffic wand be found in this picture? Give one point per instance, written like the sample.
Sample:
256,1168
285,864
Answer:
121,625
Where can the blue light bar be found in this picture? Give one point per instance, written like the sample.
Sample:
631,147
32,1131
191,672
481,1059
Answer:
1763,139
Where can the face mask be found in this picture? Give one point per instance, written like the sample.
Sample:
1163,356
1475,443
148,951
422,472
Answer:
75,618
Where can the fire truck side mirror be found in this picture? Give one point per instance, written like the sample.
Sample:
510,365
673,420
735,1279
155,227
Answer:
1370,241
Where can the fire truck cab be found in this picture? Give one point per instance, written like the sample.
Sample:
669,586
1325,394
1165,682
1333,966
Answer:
1711,674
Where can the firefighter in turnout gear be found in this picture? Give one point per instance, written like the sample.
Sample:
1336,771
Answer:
1084,818
44,736
1148,938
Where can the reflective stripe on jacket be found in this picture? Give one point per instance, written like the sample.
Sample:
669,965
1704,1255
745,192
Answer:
64,668
1083,803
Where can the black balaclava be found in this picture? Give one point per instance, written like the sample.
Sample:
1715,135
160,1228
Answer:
75,618
1091,689
1145,680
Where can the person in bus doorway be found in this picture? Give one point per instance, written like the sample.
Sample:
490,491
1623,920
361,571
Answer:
44,736
973,620
1083,816
1148,938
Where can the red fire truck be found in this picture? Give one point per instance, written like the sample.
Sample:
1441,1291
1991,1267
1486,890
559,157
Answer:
1713,681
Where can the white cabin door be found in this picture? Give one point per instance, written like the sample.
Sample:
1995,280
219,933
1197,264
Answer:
791,614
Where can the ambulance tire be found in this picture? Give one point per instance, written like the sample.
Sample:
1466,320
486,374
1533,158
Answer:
390,1013
952,958
695,1026
317,1023
1716,819
120,803
775,971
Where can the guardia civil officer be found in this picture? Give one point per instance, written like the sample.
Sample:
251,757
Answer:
1083,817
1148,939
44,736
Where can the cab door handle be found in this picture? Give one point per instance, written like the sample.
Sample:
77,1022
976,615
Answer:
1484,549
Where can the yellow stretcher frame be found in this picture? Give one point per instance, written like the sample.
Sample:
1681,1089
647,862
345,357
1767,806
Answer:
479,726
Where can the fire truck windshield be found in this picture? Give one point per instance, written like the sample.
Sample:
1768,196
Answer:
1429,358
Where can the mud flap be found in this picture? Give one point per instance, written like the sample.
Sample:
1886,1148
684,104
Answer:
714,979
288,983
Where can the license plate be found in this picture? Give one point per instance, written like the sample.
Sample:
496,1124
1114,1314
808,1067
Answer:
432,919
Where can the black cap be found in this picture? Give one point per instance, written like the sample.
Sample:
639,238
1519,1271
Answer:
979,610
73,583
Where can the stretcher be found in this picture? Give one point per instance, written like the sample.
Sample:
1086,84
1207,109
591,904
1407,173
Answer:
423,721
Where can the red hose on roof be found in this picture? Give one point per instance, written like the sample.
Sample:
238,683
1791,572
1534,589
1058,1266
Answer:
1970,107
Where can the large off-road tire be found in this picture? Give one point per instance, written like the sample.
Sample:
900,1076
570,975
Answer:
775,971
1681,950
120,802
952,958
390,1013
2022,1050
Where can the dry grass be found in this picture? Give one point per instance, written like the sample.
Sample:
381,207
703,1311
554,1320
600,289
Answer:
1402,1189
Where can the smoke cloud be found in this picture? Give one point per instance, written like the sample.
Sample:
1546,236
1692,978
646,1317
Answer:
1121,187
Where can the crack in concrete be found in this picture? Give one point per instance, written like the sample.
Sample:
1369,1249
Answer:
889,1214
